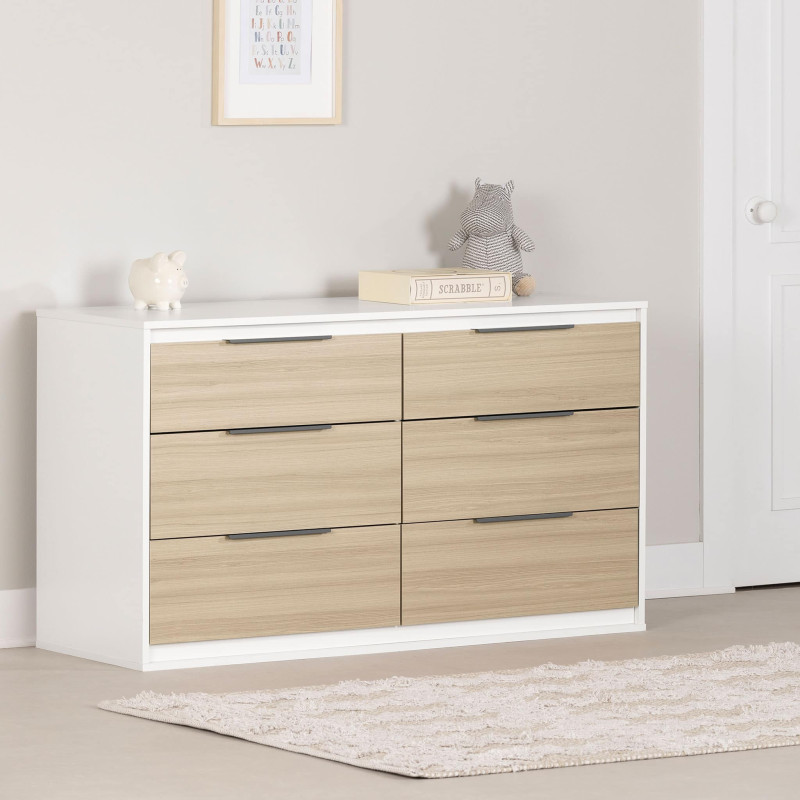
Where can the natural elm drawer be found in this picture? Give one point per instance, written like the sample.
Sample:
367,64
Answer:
215,385
205,484
462,373
465,570
219,588
459,468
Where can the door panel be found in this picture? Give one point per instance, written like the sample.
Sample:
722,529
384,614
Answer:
766,296
784,118
786,392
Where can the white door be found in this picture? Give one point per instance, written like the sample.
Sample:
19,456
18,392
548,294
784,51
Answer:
766,288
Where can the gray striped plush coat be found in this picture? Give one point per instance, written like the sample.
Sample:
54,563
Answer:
487,227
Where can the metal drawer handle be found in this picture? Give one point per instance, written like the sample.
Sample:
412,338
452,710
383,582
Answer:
490,417
273,534
281,429
280,339
531,328
517,517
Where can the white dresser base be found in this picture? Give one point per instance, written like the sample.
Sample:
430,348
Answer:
376,640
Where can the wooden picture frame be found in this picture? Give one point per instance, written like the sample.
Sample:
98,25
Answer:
234,103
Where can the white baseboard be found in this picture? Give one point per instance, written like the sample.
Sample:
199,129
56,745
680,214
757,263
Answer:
17,617
673,568
696,591
676,570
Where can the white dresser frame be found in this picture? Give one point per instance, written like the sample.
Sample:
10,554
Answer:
93,472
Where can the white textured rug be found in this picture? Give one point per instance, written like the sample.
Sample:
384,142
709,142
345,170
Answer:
742,698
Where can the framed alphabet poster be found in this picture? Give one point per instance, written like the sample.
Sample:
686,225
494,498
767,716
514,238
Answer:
277,62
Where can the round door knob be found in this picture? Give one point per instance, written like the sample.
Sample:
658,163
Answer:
760,211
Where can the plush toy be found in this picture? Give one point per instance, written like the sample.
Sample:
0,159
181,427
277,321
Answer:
493,240
158,281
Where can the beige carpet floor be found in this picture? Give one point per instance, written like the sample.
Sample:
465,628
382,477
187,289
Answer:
740,698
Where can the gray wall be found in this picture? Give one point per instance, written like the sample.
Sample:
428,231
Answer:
592,107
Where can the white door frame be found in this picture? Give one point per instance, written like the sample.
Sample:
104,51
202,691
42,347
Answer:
718,513
707,567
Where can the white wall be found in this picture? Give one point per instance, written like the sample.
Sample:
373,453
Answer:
592,107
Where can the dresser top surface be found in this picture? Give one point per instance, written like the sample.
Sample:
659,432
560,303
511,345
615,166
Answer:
323,309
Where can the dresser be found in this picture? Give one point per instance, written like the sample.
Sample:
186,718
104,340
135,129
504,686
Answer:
264,480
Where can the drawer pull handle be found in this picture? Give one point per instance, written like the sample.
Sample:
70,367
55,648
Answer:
531,328
280,339
533,415
517,517
274,534
280,429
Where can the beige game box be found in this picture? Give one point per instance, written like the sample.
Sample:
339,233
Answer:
417,286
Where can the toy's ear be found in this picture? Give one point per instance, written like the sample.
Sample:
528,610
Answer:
178,257
158,261
477,183
509,187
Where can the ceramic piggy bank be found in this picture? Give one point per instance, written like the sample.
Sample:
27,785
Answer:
158,281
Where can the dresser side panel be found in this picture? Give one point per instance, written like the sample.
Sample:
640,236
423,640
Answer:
92,495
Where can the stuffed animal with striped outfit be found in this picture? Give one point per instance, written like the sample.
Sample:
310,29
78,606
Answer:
493,240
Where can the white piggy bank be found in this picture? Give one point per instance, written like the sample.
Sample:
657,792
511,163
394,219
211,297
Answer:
158,281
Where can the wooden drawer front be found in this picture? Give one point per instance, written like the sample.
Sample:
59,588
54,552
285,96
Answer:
464,570
464,373
218,588
205,484
214,385
459,468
